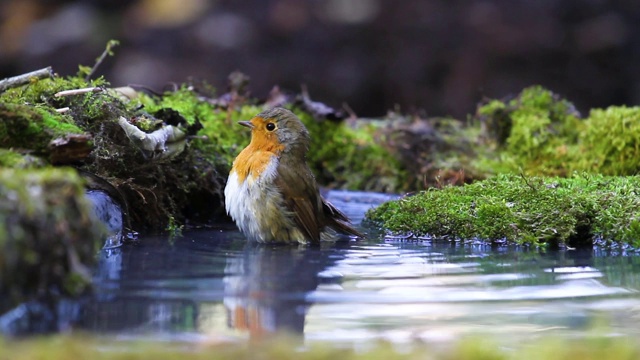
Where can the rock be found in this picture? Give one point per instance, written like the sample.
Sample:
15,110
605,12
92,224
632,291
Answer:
110,214
49,236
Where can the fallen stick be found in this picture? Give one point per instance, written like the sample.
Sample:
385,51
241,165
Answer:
25,78
77,91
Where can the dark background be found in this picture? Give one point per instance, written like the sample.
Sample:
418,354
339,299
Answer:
440,56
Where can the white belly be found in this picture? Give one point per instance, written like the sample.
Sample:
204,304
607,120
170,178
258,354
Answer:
256,207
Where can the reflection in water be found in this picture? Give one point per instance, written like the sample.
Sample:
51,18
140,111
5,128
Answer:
214,284
266,287
204,283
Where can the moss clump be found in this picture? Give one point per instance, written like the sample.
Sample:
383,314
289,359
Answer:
42,91
47,235
611,141
15,160
32,128
535,211
540,133
537,131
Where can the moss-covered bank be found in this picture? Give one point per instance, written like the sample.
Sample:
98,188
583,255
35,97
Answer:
182,181
536,133
48,240
526,210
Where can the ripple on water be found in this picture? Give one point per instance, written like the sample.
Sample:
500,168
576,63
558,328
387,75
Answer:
212,282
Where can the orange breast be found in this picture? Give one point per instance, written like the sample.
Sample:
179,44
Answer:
251,162
255,158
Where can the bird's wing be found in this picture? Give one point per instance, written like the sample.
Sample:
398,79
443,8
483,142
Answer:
301,197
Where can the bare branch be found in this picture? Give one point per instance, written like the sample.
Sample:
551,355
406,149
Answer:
107,51
25,78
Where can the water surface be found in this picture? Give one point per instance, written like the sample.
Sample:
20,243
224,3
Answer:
213,285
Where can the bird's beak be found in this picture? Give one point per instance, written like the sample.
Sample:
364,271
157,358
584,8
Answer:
246,123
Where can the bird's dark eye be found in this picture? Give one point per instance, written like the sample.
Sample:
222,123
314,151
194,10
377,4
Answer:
271,126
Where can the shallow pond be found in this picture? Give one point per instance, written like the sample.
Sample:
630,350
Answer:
211,285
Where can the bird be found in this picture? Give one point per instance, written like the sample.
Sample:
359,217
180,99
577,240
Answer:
271,193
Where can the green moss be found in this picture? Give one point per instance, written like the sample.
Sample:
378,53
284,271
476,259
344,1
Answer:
32,128
611,142
351,158
540,133
536,211
12,159
536,132
47,234
547,348
224,137
42,91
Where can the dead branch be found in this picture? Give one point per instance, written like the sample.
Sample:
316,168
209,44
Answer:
25,78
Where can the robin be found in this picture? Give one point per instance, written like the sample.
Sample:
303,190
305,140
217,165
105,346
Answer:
271,193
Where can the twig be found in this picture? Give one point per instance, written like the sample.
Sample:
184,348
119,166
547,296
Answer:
526,181
349,110
77,91
107,51
25,78
63,110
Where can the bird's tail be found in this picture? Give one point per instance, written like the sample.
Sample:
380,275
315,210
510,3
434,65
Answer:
338,221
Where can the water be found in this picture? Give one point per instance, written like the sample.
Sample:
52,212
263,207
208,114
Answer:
211,285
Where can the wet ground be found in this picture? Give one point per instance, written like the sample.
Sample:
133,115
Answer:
210,285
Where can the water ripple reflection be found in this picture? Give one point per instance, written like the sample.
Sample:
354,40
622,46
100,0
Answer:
213,284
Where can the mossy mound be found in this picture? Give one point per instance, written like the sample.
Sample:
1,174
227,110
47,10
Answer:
536,133
32,128
525,210
610,143
156,191
540,133
47,237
